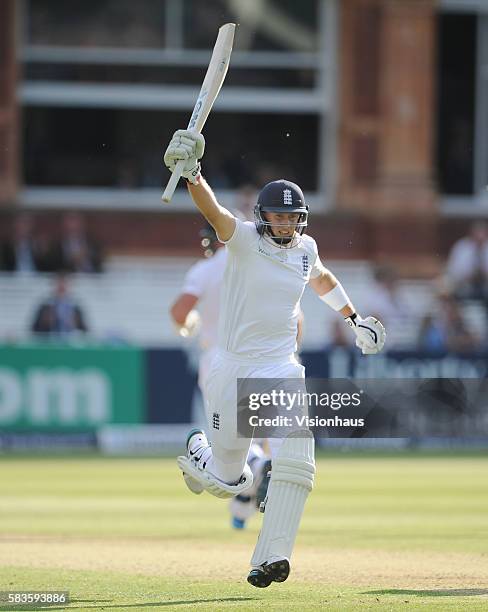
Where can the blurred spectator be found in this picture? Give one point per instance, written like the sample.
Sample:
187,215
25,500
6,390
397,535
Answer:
467,265
24,252
386,303
446,330
59,314
76,252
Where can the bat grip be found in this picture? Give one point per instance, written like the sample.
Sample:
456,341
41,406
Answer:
173,180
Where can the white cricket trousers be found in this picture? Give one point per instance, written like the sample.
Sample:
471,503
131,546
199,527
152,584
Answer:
204,367
229,451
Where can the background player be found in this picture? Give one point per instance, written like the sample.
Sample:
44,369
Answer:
269,263
201,288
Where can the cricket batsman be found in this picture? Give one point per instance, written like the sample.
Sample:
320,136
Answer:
269,262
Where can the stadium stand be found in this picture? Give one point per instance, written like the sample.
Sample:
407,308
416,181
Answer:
130,301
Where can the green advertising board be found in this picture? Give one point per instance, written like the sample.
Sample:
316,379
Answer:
66,388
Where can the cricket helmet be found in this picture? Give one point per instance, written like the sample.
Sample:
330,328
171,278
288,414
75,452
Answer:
281,196
208,240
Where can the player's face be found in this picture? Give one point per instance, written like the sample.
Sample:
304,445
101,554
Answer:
282,224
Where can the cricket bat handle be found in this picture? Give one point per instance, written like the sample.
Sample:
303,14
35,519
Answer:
173,180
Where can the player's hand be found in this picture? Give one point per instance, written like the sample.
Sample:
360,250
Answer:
191,326
188,146
370,333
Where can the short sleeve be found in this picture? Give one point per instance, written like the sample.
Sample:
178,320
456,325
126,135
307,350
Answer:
241,239
317,266
195,280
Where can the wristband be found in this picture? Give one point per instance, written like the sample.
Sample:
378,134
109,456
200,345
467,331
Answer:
336,298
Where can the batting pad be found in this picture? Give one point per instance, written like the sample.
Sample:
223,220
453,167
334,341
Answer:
292,478
212,484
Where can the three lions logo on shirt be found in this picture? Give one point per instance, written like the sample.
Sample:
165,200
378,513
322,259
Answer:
305,265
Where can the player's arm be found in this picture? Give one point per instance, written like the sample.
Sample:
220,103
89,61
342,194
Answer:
300,329
370,333
190,146
185,318
182,307
326,284
219,217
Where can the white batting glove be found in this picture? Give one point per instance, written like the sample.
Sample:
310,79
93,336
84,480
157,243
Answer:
370,333
188,146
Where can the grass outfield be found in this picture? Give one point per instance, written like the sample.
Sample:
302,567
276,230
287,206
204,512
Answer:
400,532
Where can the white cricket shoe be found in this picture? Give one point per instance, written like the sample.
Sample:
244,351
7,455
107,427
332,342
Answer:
241,507
196,445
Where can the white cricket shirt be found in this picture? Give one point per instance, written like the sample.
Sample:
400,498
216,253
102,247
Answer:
204,280
261,292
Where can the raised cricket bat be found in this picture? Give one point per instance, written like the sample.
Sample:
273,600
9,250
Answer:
216,71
